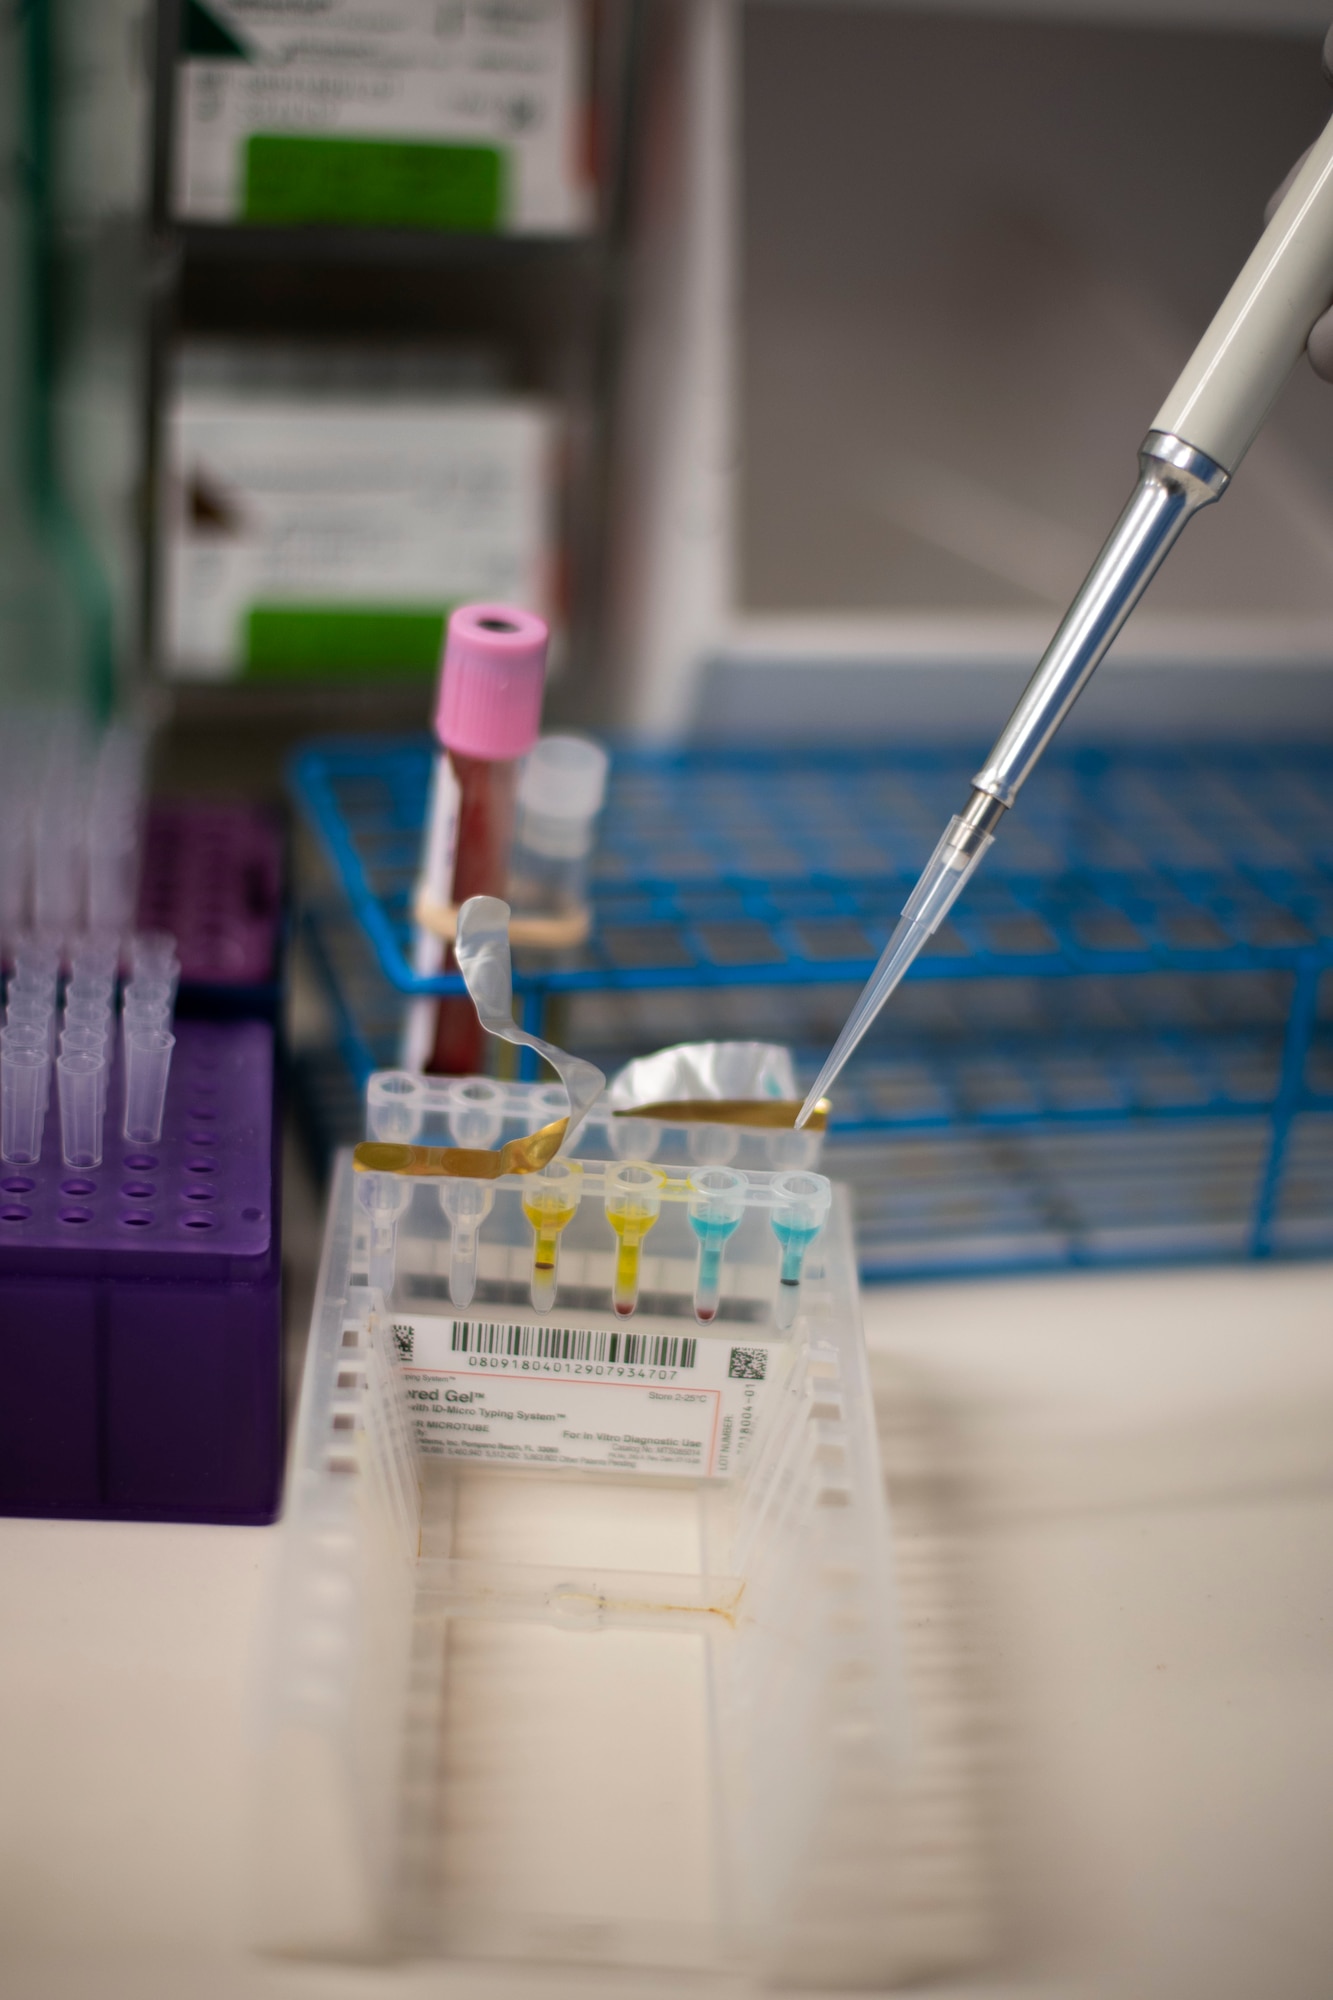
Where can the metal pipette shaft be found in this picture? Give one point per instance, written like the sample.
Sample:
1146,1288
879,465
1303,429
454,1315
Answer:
1199,437
1174,482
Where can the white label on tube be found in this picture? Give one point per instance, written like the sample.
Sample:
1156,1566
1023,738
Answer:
437,879
655,1396
437,855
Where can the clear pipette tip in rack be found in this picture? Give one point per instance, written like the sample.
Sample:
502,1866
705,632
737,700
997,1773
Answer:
25,1088
81,1087
147,1067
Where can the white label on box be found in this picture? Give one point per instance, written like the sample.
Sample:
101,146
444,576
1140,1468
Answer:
408,502
523,1392
422,70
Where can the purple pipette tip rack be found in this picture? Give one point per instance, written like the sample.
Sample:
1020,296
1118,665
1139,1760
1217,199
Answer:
140,1310
212,876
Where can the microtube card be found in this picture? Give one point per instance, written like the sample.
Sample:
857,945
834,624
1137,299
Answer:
717,1202
550,1202
632,1205
802,1206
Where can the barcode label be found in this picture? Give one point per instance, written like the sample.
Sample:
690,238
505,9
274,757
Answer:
567,1343
521,1392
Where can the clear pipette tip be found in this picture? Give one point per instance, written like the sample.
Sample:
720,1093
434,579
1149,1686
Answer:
147,1067
941,882
25,1087
81,1086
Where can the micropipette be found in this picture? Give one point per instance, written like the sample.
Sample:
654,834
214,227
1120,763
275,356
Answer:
1197,440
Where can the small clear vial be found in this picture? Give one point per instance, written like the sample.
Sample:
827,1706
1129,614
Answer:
560,794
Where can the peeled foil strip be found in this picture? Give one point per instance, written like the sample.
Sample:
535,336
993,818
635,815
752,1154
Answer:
482,952
706,1083
704,1069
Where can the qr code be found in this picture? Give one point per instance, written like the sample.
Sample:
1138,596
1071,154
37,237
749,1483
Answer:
403,1340
748,1364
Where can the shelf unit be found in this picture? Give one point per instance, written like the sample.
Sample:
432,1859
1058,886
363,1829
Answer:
135,281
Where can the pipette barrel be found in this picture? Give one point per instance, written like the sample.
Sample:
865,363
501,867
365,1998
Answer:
25,1088
147,1067
81,1085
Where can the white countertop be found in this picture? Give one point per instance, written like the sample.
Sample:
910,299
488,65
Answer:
1113,1502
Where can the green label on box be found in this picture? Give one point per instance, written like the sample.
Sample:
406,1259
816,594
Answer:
378,183
332,641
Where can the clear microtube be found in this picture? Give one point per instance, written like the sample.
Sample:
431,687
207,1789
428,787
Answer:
147,1067
717,1202
476,1112
550,1203
633,1200
81,1084
467,1204
25,1087
383,1197
395,1106
800,1212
